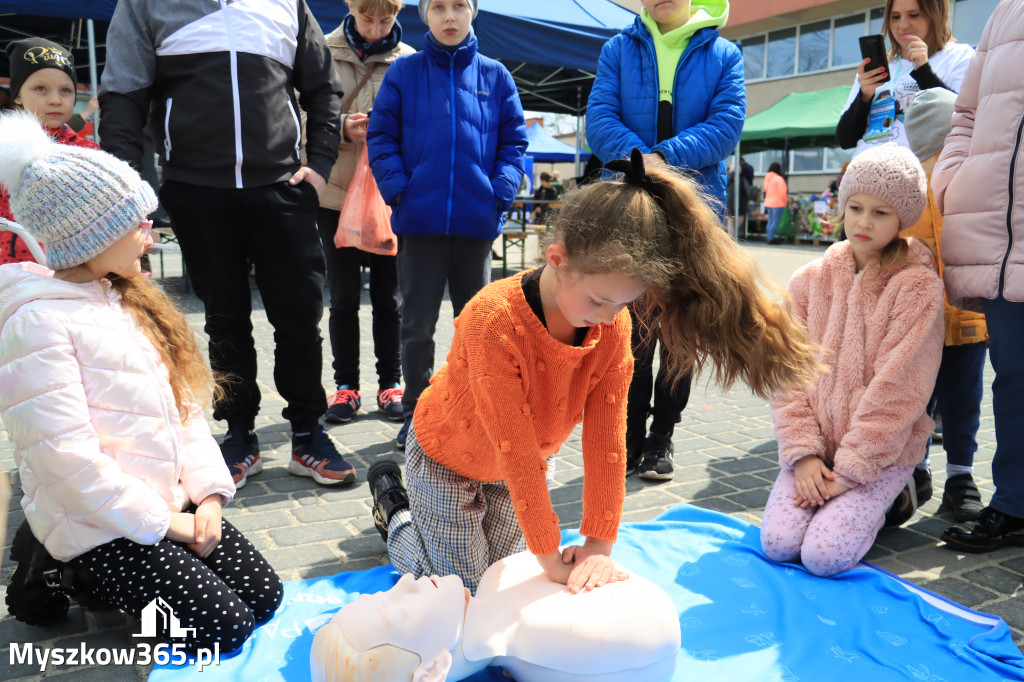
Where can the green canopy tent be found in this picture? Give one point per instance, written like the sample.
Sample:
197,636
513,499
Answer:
800,119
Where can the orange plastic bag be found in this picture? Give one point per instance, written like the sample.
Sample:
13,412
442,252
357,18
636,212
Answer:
365,220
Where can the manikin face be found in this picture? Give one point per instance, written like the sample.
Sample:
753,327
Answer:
423,616
373,27
906,20
669,14
49,94
870,225
449,21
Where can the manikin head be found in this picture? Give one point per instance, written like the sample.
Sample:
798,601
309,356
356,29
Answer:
519,619
407,632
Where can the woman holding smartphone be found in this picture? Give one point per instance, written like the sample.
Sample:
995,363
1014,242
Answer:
922,55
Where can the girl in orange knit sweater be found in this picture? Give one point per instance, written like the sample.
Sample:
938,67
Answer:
537,353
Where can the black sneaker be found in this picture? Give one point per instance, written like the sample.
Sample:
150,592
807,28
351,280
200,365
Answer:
317,457
241,451
389,401
961,497
902,508
658,455
343,405
634,454
923,482
389,493
403,433
34,593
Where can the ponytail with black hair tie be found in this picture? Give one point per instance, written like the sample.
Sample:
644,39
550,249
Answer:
633,171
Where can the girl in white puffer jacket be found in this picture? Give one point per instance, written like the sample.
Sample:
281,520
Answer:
101,385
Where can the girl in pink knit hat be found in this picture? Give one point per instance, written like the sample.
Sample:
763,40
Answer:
848,445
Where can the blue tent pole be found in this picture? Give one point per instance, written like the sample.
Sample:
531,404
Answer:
93,87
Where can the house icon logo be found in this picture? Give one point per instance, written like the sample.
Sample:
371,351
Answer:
158,615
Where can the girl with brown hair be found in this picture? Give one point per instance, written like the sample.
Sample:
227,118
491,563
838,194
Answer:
102,387
538,353
922,55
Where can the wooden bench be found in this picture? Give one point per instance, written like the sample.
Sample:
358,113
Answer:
517,235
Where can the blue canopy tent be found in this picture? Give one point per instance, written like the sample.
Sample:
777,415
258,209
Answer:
550,46
543,146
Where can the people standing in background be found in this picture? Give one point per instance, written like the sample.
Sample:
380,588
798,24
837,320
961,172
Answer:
672,87
446,141
556,182
776,199
959,386
43,84
368,41
222,81
546,192
922,55
978,186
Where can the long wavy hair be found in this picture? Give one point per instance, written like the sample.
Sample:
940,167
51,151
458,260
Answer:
164,324
706,297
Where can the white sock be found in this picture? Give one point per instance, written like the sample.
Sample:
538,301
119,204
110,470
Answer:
956,469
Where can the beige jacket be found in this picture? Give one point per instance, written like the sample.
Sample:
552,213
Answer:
350,70
979,179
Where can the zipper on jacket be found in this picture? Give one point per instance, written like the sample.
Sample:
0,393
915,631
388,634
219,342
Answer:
298,129
1009,208
451,168
167,129
235,108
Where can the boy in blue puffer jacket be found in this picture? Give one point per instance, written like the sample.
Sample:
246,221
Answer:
672,86
446,143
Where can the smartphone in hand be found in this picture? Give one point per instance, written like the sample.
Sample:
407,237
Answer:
873,48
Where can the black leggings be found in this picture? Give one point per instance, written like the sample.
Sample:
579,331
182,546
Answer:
222,596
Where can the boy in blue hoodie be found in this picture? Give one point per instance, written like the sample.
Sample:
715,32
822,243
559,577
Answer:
672,86
446,143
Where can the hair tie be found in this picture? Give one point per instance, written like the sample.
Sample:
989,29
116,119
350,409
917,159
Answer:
633,170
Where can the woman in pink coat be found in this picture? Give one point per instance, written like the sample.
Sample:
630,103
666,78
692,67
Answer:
979,187
848,446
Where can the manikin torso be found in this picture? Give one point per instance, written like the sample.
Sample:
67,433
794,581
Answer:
520,620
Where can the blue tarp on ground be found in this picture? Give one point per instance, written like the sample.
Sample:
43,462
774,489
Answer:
743,618
543,146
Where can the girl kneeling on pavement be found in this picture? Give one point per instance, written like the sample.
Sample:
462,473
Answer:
538,353
101,391
848,445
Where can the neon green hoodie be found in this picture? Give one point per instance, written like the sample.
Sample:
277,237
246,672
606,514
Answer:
669,47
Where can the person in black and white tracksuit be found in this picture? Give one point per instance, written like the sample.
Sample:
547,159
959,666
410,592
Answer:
220,81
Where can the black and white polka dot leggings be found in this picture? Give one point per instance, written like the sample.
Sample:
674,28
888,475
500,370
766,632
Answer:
222,596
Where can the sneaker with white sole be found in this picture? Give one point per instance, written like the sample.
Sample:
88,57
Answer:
241,451
317,457
657,464
389,401
343,405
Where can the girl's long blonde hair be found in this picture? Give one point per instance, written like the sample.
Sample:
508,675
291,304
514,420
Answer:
716,308
165,325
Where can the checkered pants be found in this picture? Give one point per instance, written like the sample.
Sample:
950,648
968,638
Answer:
454,525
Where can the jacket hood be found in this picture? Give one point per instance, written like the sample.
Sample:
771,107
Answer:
22,283
703,14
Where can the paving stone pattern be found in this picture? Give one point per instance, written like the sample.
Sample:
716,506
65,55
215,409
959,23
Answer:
726,460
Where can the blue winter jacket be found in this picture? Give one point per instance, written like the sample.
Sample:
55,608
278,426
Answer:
708,113
447,170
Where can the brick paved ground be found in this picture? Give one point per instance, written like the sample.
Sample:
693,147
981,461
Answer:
725,460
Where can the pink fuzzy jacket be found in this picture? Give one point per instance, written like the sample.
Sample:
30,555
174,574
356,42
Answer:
882,343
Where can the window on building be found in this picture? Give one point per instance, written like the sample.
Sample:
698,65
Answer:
875,23
753,57
835,157
811,160
814,40
969,18
781,53
845,45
